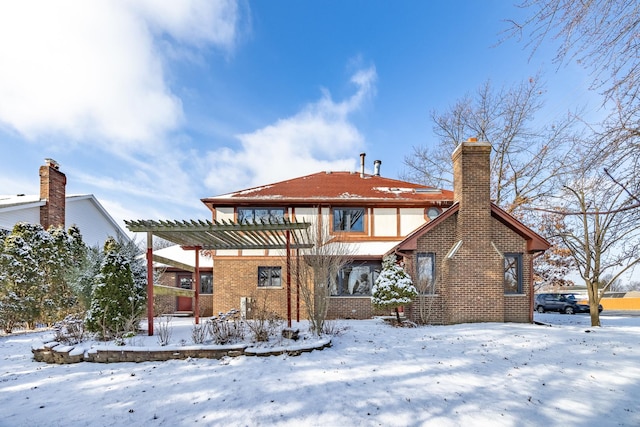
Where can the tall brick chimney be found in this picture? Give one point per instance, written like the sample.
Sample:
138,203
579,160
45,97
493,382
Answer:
472,188
52,190
475,268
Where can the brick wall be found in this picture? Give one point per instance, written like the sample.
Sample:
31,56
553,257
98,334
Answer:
351,308
517,307
239,278
52,189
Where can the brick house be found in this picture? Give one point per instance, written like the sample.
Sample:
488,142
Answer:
473,261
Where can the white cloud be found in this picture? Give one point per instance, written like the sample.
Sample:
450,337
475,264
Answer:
193,22
92,70
320,137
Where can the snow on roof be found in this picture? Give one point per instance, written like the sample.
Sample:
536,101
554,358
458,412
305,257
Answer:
176,253
18,200
338,186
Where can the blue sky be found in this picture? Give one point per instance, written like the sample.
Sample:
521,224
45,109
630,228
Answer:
152,105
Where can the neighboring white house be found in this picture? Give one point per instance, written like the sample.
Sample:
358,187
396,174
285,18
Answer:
52,205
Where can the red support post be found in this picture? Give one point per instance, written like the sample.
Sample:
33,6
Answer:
288,234
298,284
197,309
150,282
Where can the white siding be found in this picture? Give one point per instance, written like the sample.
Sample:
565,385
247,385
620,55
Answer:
410,219
9,218
93,225
385,222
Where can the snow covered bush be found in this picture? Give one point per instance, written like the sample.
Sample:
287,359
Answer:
34,274
119,296
393,287
70,330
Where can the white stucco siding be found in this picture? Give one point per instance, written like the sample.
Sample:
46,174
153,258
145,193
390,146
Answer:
306,215
225,214
226,252
385,222
410,219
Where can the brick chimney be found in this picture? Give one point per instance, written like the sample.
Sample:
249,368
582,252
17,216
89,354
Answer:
472,188
475,269
52,190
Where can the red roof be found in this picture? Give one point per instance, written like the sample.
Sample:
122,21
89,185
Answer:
336,188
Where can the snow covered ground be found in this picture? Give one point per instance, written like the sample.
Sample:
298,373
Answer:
373,375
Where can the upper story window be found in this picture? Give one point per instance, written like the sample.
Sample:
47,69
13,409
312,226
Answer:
512,273
426,273
251,215
433,212
348,219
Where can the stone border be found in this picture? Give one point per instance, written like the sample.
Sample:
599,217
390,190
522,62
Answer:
54,352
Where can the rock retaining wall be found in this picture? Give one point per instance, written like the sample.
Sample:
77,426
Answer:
55,352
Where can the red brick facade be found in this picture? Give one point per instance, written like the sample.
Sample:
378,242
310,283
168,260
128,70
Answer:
52,190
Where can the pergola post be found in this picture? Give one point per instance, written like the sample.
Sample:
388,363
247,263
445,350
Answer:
288,234
197,309
298,285
150,282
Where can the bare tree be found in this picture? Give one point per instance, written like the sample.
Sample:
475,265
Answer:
317,270
526,159
601,233
600,35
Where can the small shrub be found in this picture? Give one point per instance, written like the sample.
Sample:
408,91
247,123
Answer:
70,330
265,324
164,329
199,334
227,328
332,328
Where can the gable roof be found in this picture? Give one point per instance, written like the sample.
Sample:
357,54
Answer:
535,242
22,209
344,188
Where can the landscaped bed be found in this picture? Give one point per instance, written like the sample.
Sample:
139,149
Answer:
175,340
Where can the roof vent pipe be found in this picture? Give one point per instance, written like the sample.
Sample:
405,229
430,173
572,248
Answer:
362,164
376,167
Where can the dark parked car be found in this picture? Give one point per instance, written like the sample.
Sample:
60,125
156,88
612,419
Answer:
562,303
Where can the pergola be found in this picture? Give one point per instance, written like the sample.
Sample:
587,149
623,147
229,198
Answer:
199,235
